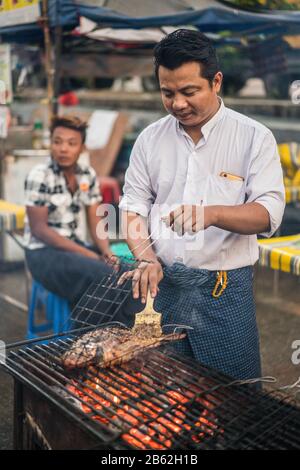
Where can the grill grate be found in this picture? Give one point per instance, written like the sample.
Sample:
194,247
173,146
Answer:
160,401
104,300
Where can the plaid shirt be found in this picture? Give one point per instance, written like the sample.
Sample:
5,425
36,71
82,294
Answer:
46,186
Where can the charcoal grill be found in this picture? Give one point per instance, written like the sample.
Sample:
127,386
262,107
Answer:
160,400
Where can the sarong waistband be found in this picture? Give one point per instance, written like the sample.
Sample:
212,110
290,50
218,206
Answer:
185,277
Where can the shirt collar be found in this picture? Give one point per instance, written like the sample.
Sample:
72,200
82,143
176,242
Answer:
57,170
209,125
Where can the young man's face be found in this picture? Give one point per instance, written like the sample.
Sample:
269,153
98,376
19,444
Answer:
66,146
187,95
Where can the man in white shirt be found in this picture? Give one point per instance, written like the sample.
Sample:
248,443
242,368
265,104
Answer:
209,180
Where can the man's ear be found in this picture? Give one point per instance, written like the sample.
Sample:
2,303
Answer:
218,78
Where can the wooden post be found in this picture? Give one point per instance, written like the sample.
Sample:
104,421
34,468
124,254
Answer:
48,56
57,59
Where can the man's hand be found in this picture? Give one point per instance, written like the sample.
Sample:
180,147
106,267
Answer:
146,276
245,219
112,259
190,218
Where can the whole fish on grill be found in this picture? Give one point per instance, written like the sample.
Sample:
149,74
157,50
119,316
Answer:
110,346
113,345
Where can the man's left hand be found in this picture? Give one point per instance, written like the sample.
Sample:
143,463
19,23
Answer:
190,218
112,259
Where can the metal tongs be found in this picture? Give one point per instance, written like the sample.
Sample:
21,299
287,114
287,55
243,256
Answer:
148,319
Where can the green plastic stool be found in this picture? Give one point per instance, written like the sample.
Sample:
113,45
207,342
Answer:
122,250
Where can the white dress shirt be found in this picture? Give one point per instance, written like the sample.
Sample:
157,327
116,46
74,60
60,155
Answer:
167,169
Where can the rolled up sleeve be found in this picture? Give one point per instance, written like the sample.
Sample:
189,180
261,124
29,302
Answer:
265,182
138,195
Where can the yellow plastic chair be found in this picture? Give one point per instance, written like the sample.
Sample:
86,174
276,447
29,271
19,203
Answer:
290,160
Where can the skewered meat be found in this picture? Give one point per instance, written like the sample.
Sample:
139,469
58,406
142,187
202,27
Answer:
110,346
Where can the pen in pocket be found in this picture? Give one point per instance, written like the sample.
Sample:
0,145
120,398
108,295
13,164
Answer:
230,176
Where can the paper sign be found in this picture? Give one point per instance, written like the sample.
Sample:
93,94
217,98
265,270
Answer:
14,12
100,128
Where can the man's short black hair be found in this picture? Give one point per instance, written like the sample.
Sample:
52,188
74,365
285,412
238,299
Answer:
70,122
183,46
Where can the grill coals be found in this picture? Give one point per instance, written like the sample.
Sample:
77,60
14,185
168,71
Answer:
159,400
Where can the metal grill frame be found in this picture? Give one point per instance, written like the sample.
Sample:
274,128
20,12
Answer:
102,300
245,418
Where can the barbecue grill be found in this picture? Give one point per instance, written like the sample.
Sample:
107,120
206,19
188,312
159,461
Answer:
160,400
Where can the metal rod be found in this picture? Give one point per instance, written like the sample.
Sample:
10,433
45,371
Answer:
10,300
26,342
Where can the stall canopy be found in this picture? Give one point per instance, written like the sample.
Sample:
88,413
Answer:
208,16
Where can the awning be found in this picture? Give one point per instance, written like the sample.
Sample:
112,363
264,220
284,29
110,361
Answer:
207,16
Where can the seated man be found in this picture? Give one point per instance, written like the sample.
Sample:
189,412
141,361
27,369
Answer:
56,193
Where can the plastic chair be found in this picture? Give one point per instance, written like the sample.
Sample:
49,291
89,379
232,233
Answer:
56,310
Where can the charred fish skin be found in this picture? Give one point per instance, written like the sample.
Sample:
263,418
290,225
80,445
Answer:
111,346
89,348
127,351
99,353
78,358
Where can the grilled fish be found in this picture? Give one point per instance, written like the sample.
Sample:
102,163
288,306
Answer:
109,346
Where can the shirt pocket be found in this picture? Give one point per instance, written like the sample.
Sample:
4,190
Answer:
222,191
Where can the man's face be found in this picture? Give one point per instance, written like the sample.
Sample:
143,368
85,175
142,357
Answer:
66,146
187,95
